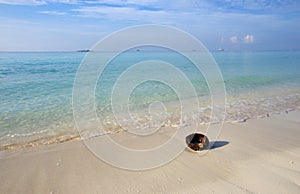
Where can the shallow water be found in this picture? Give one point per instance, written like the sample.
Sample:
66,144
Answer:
36,93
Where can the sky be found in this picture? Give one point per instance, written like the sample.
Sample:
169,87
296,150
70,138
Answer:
69,25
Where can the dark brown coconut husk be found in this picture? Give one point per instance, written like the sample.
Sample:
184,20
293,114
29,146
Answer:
197,141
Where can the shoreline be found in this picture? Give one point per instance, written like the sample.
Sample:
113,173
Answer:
262,156
66,137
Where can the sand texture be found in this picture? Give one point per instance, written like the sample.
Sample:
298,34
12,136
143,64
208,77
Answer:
258,156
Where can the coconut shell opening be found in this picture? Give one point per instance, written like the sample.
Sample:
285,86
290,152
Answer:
197,141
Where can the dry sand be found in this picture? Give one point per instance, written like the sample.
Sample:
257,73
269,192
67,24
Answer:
262,156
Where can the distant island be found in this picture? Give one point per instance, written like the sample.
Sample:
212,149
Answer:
83,51
219,49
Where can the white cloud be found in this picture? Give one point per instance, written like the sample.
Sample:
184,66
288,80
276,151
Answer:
23,2
37,2
123,2
53,12
5,22
155,4
234,39
119,13
249,38
64,1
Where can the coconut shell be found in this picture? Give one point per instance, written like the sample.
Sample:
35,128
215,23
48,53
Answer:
197,141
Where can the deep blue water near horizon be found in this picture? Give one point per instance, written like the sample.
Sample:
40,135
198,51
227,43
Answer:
36,88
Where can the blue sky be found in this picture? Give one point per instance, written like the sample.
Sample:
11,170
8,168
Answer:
65,25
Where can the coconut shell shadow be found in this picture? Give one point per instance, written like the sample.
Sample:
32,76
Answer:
197,142
217,144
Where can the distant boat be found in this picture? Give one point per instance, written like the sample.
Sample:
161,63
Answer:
219,49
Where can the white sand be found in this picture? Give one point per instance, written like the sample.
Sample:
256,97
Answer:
262,156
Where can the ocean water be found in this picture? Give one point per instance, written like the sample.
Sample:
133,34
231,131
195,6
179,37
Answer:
36,92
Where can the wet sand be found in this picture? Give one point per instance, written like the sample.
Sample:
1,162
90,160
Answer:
258,156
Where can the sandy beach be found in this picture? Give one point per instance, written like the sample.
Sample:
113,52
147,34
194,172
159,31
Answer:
258,156
127,96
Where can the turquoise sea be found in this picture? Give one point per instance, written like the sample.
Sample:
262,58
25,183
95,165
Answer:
36,90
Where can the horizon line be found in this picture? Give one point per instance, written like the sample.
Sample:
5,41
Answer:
81,50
